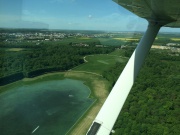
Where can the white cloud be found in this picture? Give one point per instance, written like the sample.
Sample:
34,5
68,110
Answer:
116,21
12,21
8,18
90,16
113,21
26,12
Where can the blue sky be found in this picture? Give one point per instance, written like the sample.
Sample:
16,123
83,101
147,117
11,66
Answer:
69,14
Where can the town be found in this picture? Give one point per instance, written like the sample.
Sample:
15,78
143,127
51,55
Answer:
32,57
82,38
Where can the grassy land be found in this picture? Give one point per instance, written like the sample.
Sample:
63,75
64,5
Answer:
99,63
15,49
99,90
118,52
175,39
72,40
99,86
111,41
89,72
127,39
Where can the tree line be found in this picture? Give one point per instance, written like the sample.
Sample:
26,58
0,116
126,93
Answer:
152,107
32,62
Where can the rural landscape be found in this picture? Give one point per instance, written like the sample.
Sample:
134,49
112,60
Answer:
31,56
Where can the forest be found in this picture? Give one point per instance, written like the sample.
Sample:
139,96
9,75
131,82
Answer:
153,105
37,60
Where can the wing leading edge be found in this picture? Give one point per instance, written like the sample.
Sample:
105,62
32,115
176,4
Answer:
166,12
158,13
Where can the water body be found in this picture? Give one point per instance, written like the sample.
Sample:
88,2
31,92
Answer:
43,108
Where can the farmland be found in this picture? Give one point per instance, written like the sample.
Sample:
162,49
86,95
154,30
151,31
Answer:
97,59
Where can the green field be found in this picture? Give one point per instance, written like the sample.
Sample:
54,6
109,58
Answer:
99,63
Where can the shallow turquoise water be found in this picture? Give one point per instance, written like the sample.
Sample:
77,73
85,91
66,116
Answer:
52,107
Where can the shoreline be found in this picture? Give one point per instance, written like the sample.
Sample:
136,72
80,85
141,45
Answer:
97,85
100,92
75,124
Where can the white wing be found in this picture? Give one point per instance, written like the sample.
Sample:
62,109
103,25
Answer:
162,11
158,13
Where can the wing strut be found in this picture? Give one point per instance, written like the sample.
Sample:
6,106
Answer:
114,103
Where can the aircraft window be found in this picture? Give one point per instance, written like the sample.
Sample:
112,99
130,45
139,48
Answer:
59,60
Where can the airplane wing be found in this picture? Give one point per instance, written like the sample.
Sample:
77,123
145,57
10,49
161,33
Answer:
155,10
158,13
